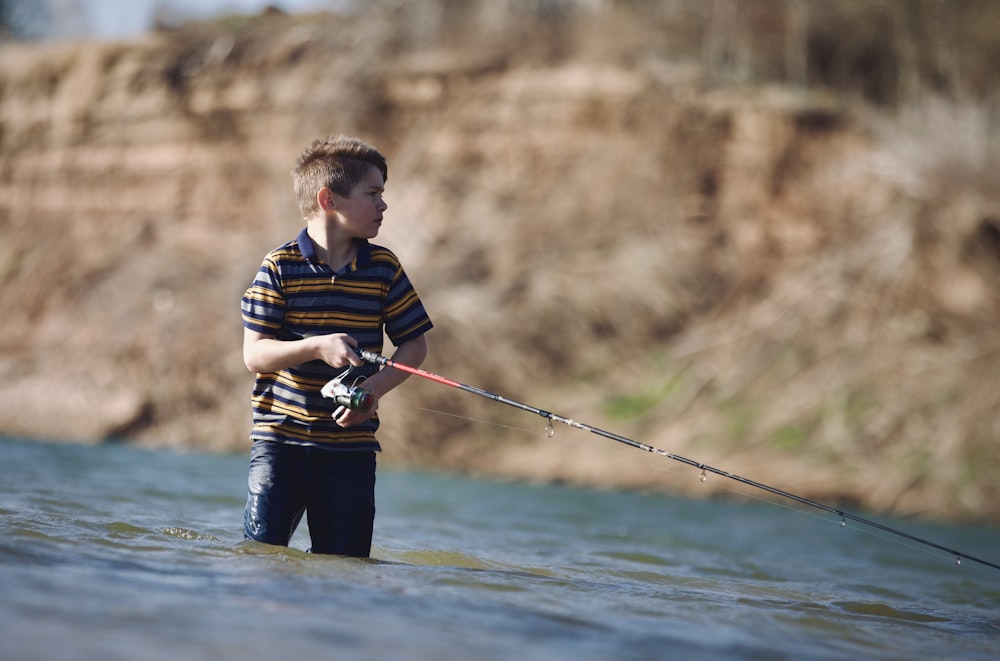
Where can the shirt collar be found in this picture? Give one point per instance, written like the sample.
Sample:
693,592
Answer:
306,246
308,250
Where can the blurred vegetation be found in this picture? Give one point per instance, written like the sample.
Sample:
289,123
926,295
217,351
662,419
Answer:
765,232
888,52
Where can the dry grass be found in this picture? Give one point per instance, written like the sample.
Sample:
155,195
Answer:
691,223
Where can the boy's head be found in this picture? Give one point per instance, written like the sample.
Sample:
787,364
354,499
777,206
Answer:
334,162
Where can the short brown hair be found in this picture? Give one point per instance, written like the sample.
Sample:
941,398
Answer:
334,162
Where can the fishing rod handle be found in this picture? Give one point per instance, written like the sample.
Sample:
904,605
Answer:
371,357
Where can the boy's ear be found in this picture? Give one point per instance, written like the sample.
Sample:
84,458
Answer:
325,199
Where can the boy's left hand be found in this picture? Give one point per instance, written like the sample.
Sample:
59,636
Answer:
346,417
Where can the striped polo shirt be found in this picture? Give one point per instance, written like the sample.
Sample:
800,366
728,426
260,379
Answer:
295,295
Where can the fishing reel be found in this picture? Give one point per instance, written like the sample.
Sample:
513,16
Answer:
348,395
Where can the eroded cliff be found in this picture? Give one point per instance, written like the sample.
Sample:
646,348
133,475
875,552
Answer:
780,282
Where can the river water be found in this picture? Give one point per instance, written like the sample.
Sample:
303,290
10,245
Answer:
114,552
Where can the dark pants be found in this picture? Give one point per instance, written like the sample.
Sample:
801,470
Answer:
335,489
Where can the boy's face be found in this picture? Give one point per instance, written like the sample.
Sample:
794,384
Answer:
360,214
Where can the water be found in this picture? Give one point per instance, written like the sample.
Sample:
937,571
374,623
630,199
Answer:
114,552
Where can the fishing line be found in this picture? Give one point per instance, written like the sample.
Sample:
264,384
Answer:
479,420
378,359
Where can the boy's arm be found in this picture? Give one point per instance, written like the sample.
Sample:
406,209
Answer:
265,353
410,353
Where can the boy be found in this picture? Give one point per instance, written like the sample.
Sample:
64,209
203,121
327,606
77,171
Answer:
314,300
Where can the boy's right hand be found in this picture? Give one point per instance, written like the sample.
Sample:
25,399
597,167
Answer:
338,350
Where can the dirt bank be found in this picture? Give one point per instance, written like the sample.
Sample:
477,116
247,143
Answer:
787,283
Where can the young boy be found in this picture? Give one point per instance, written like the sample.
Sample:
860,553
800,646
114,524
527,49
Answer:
314,300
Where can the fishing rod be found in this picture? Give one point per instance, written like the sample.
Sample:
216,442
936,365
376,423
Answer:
378,359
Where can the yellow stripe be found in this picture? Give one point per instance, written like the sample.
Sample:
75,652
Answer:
332,319
270,404
403,304
259,294
332,439
361,288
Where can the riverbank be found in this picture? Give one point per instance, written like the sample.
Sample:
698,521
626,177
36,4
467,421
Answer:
790,282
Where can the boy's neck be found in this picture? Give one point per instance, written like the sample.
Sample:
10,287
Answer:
334,248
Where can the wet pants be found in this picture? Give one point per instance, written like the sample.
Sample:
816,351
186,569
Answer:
335,489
